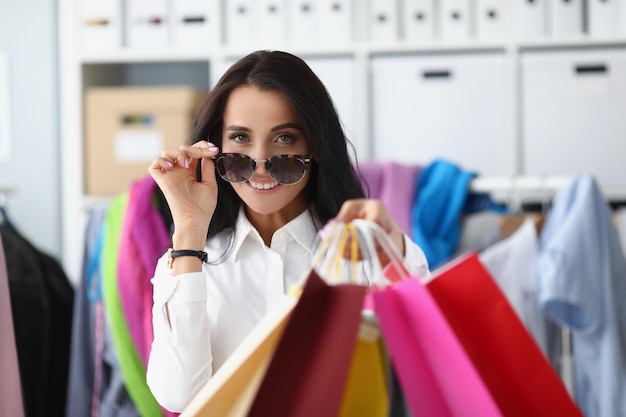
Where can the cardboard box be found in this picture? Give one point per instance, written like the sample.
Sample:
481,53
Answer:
126,129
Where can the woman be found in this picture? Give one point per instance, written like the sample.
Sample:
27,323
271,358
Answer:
270,131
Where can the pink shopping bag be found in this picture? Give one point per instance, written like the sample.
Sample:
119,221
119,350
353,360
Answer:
435,373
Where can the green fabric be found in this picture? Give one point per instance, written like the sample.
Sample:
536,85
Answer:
130,364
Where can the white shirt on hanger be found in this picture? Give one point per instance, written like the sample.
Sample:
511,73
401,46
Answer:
512,262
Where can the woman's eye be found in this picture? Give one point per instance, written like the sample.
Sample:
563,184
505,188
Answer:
285,139
238,138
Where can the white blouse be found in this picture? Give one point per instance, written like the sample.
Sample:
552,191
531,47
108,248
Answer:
211,312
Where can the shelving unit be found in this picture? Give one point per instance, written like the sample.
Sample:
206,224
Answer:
80,70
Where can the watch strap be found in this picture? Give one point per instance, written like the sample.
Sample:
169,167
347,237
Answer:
172,254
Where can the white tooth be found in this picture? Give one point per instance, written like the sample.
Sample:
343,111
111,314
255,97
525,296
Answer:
265,186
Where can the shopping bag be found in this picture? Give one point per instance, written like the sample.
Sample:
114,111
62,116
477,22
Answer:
518,375
366,391
308,371
231,390
436,375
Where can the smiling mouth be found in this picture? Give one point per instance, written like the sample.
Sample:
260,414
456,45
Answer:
263,185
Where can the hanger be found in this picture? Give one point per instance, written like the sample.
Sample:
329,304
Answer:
5,220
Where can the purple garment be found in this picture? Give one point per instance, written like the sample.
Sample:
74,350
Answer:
371,173
395,185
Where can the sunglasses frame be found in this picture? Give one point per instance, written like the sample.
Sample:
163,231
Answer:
304,159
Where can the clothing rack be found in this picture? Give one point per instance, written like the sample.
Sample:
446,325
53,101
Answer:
538,189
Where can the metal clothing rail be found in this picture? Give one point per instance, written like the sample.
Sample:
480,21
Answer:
537,188
520,183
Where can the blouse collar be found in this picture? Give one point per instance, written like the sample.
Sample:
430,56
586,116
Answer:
303,229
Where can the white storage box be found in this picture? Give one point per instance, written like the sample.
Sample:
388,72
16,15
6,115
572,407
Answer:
573,110
441,106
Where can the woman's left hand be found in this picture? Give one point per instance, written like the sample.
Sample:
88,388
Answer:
375,211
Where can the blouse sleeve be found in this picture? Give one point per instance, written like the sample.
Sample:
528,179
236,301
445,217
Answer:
180,361
415,259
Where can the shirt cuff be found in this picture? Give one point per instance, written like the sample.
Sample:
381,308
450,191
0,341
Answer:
183,288
415,259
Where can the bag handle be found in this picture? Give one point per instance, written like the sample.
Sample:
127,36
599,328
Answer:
329,256
371,233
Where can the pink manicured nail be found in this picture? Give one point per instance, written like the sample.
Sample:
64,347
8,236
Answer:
169,163
186,163
326,229
213,148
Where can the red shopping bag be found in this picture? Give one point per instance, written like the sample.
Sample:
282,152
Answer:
307,374
520,378
437,377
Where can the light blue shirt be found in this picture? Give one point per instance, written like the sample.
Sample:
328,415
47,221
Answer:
581,279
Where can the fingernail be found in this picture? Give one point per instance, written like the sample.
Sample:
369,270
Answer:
210,144
186,163
326,229
213,148
169,163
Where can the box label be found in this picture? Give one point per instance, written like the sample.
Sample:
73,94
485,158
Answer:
133,146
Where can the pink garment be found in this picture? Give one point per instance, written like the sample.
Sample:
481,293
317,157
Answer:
395,185
10,387
143,240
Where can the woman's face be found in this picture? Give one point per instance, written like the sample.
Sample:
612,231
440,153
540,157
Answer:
262,124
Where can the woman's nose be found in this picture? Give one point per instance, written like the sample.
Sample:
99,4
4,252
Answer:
260,166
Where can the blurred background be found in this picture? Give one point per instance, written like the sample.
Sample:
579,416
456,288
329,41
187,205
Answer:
515,97
502,88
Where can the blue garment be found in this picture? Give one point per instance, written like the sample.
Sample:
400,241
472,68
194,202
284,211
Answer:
581,283
441,194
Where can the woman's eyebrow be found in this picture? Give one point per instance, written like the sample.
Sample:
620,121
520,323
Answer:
237,128
289,125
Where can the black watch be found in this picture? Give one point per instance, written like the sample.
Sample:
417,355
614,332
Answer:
171,254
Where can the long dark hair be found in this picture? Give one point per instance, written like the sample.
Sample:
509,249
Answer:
333,178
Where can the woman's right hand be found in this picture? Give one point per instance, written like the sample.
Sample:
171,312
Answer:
191,203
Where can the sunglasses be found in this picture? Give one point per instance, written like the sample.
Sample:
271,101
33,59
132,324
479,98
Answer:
284,169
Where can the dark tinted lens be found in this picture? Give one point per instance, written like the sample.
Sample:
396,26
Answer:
286,169
234,167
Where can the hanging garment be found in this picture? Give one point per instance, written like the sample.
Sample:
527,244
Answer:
42,301
511,263
581,278
394,184
143,240
129,360
619,216
441,194
96,385
11,401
